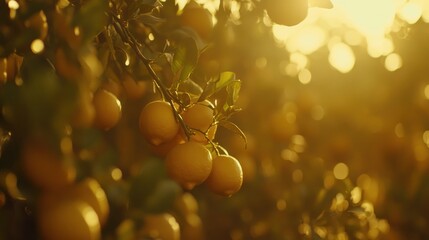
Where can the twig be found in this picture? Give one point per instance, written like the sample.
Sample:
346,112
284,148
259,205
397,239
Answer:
127,37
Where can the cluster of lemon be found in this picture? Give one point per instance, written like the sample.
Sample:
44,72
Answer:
189,161
65,209
183,222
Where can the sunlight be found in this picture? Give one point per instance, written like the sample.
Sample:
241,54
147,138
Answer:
393,62
341,57
411,12
365,23
371,18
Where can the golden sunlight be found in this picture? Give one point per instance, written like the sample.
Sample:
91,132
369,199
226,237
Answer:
364,23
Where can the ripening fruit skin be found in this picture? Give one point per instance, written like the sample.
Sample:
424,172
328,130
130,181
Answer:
189,164
226,176
68,220
200,116
134,89
90,191
108,109
162,149
44,167
192,228
197,18
160,226
186,204
287,12
84,112
158,123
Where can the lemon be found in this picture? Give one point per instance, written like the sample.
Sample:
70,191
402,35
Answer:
158,123
161,226
226,176
45,167
189,164
108,109
68,220
200,117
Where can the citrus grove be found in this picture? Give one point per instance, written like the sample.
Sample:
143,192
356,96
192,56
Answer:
162,119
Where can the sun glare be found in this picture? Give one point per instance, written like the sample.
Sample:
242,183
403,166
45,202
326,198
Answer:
365,23
341,57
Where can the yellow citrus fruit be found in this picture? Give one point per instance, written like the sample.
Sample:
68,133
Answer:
112,86
108,109
186,204
200,116
163,148
84,112
226,176
65,66
197,18
192,228
158,123
161,226
287,12
90,191
68,220
45,167
189,164
134,89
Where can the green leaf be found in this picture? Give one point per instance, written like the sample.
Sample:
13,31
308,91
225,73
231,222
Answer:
233,90
162,199
213,86
234,128
145,183
190,87
184,61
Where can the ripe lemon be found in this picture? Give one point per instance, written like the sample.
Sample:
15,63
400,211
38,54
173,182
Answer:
200,117
158,123
134,89
90,191
68,220
186,204
84,112
163,148
161,226
108,109
44,167
192,228
287,12
197,18
112,86
189,164
226,176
